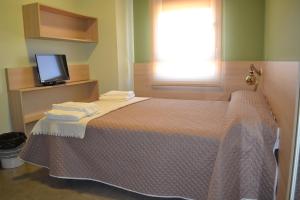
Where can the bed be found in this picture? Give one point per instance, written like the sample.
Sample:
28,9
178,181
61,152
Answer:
189,149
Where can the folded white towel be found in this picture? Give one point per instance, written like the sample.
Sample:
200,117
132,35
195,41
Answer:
119,93
116,98
87,108
65,115
77,129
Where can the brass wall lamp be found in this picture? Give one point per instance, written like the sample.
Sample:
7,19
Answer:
251,79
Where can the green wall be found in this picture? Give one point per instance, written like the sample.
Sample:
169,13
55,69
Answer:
142,31
282,30
15,51
242,35
243,30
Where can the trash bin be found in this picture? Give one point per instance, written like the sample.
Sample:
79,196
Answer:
10,146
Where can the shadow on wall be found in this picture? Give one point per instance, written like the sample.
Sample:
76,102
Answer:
76,52
4,102
2,82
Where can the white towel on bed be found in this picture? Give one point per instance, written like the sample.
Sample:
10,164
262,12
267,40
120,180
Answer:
65,115
88,108
118,95
115,98
77,128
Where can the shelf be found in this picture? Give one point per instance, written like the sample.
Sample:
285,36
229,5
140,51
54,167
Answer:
45,22
34,117
56,86
44,97
65,38
28,103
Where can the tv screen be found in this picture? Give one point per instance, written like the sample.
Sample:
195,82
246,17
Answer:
52,69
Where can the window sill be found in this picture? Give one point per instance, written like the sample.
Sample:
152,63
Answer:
216,87
185,84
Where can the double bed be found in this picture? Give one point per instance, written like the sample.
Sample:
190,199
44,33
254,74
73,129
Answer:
189,149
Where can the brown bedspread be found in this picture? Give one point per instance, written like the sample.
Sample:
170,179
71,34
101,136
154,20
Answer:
174,148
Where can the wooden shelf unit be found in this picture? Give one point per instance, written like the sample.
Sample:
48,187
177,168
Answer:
28,104
45,22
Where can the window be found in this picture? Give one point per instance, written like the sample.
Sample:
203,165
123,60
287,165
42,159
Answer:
186,42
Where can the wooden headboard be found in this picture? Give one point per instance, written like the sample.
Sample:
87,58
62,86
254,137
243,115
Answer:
280,86
234,73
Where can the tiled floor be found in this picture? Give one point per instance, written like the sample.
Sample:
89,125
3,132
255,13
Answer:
33,183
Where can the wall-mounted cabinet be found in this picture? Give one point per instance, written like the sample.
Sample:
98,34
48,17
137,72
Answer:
44,22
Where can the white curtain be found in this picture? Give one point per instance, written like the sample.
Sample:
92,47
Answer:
186,42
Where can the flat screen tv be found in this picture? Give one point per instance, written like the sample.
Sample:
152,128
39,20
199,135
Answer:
52,69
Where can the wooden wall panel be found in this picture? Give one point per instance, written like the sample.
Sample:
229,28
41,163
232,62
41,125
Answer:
79,73
234,74
26,77
280,85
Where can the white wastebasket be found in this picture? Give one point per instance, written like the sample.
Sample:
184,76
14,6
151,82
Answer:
9,163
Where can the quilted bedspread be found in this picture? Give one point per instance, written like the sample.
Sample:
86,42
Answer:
172,148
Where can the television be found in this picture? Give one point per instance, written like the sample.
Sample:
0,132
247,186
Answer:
52,69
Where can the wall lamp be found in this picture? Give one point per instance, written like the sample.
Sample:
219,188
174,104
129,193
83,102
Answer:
251,78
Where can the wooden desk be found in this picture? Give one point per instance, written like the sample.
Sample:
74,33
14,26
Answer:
28,105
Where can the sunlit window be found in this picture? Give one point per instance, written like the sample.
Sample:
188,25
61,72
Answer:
185,42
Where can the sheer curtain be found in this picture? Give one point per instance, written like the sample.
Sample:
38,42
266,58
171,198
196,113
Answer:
186,36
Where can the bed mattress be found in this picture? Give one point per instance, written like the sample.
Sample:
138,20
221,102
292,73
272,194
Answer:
170,148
